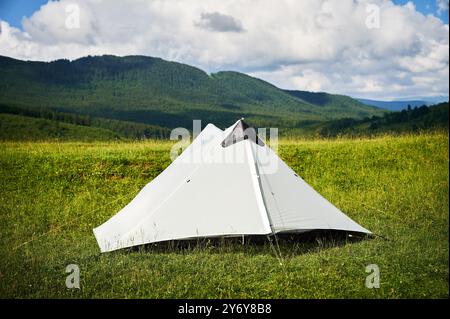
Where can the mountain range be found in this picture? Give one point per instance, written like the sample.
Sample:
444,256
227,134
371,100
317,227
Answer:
164,94
398,105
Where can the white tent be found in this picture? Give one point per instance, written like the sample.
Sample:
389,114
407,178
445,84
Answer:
226,183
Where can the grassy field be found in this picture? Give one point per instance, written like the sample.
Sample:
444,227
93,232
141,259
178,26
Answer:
53,194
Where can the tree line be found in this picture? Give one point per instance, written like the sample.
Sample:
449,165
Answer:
123,128
408,120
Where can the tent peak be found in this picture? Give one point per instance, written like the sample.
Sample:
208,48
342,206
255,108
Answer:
241,131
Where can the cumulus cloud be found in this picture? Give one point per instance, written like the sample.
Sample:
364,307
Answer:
442,6
219,22
373,49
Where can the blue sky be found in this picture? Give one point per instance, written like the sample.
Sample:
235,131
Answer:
427,7
13,11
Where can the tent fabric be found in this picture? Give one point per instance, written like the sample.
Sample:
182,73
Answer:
211,190
294,205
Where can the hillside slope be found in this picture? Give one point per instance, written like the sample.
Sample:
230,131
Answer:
124,129
333,103
168,94
18,127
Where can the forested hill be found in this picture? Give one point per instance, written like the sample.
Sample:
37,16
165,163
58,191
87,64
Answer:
167,94
411,120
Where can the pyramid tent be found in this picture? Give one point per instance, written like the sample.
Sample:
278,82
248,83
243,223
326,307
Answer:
226,183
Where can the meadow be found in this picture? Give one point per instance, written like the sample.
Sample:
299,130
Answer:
53,193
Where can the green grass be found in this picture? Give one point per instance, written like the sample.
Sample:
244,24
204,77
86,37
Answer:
53,194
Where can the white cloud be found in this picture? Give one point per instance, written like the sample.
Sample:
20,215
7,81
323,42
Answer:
314,45
442,6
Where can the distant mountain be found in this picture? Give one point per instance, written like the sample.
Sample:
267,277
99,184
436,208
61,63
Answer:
399,105
165,94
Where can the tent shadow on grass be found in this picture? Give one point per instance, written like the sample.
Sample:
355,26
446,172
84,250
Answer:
290,244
